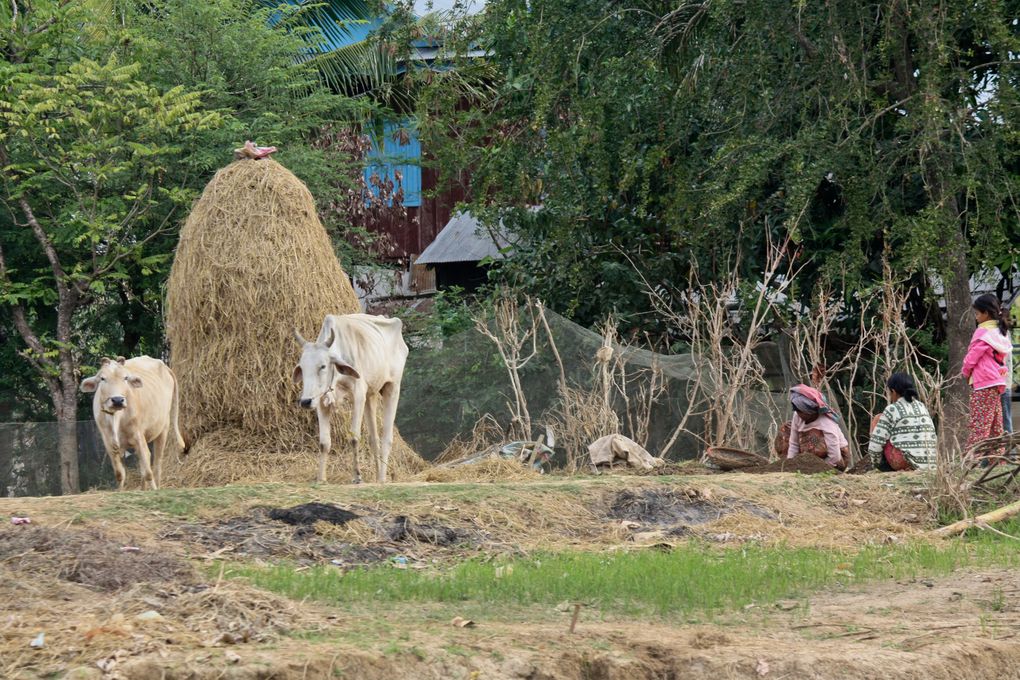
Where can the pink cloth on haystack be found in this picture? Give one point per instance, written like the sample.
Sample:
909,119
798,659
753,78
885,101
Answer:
249,150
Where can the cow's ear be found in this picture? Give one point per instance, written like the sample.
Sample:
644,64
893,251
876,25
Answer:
134,381
105,361
297,374
345,368
90,384
121,360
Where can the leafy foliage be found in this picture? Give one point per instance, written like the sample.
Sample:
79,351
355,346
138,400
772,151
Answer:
108,136
655,134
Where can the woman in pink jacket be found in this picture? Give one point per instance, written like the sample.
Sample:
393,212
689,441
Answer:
985,367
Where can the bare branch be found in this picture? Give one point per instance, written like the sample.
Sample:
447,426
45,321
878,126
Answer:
44,240
20,321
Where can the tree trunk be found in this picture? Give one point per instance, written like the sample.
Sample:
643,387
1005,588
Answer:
959,326
67,410
67,445
67,434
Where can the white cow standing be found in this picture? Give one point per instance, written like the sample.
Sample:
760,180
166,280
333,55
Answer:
136,402
360,358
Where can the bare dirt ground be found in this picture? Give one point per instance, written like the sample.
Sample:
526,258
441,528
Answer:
130,585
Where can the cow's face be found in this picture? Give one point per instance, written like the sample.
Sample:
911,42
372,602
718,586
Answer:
324,376
112,385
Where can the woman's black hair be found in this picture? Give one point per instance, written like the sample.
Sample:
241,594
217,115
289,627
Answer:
989,304
903,385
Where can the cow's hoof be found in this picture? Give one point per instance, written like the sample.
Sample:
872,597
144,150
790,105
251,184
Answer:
356,480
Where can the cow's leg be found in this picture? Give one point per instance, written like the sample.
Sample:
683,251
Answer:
371,415
144,461
357,413
390,397
116,456
158,447
325,441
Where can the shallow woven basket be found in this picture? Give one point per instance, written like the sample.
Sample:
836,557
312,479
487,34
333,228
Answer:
733,459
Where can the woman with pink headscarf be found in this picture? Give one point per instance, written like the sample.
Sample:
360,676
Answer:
814,429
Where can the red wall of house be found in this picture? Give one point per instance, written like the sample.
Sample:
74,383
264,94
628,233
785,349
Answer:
408,237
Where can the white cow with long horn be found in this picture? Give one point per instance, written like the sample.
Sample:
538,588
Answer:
358,358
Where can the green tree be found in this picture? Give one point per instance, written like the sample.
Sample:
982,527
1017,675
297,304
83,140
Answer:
133,106
657,133
83,148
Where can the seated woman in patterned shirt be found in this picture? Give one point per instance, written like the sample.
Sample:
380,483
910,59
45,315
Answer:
903,435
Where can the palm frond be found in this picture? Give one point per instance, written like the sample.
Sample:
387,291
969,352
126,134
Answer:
355,67
335,33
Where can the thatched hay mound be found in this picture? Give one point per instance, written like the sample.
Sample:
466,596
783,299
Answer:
254,262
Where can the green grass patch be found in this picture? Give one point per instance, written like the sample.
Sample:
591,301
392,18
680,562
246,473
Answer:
689,580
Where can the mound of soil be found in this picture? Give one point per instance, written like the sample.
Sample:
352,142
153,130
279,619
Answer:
861,467
275,533
672,469
310,513
259,536
663,507
88,558
404,528
807,465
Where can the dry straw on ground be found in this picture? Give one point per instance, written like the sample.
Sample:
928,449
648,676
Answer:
492,469
253,263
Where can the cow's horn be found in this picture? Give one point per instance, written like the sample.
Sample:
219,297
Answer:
331,337
300,340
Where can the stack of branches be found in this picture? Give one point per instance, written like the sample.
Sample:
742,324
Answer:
617,396
724,325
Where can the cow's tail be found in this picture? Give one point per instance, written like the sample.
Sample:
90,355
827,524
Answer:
175,410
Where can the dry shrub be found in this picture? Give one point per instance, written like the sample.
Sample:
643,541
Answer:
506,327
617,399
580,417
725,323
253,263
486,434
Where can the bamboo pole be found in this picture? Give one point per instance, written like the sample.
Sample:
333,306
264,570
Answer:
998,515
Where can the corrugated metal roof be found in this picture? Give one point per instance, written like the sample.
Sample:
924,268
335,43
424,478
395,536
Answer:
388,156
463,239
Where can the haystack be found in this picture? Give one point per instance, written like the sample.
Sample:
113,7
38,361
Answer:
253,262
